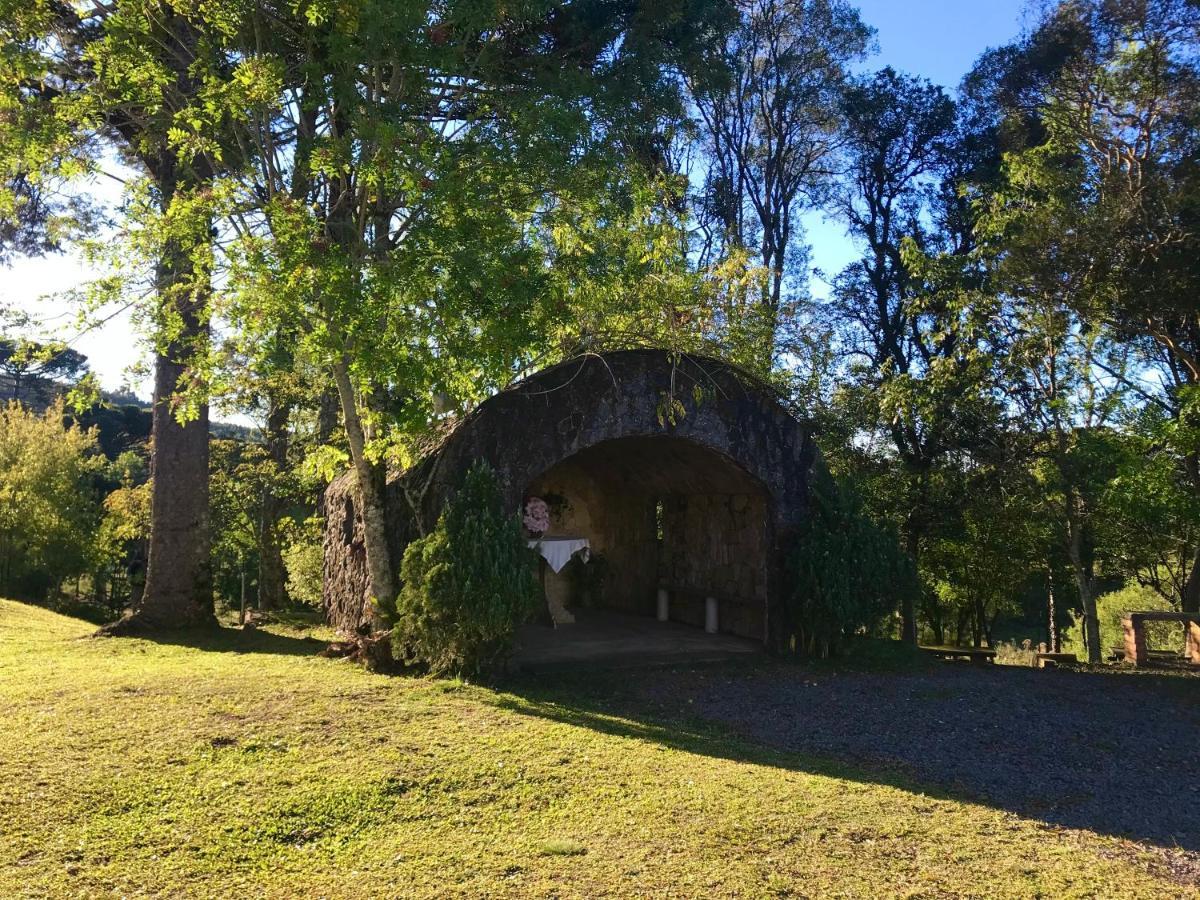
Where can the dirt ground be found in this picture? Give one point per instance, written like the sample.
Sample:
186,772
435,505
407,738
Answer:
1112,753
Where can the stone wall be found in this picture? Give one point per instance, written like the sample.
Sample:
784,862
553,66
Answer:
716,545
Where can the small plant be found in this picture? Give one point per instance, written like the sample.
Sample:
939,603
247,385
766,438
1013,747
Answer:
589,578
303,559
467,585
1010,653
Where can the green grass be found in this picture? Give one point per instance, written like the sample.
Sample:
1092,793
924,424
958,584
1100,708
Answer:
249,767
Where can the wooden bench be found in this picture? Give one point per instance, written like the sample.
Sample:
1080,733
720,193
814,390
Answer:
979,656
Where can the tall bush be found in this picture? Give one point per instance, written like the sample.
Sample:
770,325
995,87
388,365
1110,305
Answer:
467,585
846,572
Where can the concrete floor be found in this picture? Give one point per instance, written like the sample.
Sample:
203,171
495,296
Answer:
608,639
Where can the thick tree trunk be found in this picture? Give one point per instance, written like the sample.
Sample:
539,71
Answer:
178,591
370,480
272,575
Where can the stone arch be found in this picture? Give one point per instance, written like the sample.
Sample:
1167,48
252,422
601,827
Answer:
576,409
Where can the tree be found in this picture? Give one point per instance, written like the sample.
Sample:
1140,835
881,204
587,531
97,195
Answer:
770,123
23,360
468,584
913,319
406,166
847,573
1149,516
137,76
122,540
1108,92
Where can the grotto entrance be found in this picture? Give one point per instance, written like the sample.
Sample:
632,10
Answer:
660,513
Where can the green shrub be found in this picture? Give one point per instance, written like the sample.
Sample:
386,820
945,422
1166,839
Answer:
467,585
846,572
1111,609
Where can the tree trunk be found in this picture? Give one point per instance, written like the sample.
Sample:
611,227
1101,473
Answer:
908,611
178,590
272,575
1091,622
370,479
1052,632
1087,598
979,630
1191,588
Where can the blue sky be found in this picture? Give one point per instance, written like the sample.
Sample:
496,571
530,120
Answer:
939,39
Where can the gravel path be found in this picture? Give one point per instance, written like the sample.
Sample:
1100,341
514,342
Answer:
1118,754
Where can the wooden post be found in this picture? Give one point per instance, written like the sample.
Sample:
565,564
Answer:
1135,639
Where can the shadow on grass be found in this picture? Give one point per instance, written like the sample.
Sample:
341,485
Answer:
236,640
1107,753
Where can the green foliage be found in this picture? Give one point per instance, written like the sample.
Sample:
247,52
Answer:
243,476
237,476
25,363
847,573
302,556
47,505
122,539
467,585
1111,608
588,579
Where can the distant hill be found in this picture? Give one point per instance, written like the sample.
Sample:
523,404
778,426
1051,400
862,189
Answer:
122,418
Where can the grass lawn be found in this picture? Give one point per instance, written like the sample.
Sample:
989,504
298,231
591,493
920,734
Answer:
246,766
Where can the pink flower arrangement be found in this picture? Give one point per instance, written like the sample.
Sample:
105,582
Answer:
537,516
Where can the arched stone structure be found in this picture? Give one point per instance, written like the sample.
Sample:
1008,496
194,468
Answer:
705,504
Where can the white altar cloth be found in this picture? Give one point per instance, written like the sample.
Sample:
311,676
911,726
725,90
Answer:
557,551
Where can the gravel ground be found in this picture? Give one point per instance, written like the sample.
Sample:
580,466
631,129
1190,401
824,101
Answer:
1117,754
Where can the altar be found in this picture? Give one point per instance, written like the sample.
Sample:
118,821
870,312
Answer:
556,552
